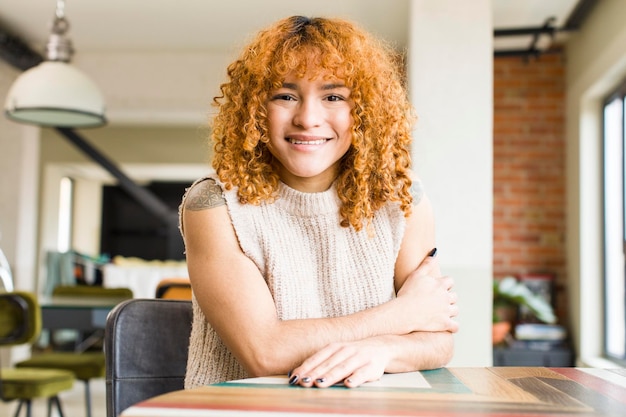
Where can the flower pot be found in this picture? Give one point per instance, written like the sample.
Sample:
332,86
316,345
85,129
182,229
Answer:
499,331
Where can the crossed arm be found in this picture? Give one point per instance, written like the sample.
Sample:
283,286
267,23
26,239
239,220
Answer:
412,331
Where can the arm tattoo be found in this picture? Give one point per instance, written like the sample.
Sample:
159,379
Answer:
204,195
417,191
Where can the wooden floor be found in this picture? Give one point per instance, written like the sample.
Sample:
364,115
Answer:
72,402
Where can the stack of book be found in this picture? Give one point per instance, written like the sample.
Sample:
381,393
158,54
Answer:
539,336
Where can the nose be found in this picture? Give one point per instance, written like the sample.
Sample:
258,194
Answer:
308,113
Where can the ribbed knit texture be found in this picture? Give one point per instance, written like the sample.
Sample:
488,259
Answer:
313,267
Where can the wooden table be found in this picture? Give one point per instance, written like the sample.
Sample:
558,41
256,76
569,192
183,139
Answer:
496,391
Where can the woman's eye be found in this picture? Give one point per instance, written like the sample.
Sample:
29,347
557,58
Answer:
285,97
334,97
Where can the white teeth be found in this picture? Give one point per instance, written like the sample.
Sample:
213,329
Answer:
307,142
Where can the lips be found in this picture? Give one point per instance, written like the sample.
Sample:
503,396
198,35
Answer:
304,139
307,142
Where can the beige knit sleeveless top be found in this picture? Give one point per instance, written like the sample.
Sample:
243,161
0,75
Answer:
312,266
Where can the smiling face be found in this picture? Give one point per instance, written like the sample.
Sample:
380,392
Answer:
309,123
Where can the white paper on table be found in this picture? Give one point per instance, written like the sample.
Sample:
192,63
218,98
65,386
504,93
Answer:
401,380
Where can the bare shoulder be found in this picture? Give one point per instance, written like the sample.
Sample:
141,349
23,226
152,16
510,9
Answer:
203,208
204,195
417,191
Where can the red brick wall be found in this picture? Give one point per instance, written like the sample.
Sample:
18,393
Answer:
529,168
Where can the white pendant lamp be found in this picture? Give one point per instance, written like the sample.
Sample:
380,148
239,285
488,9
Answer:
54,93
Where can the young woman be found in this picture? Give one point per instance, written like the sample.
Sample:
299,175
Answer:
308,247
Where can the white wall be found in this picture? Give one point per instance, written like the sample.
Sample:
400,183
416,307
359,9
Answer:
451,78
19,160
19,154
596,63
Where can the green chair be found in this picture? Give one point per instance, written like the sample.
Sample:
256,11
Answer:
20,323
85,366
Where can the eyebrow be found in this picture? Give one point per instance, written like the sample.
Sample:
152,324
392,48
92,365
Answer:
293,86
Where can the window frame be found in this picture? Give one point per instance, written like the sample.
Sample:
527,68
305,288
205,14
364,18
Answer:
618,93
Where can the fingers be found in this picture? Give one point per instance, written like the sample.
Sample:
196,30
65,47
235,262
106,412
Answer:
428,266
447,283
334,368
351,364
453,296
427,301
328,366
358,378
453,326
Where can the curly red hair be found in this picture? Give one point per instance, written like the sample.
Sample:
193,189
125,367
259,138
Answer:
375,170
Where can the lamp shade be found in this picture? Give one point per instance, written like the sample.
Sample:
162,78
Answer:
54,93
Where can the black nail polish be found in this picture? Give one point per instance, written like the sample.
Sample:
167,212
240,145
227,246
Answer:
293,380
320,380
306,379
289,374
433,252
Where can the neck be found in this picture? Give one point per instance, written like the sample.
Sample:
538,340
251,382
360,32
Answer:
313,184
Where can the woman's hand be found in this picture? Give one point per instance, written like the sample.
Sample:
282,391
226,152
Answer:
425,299
350,363
428,299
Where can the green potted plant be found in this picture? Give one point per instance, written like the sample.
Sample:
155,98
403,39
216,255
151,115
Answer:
508,295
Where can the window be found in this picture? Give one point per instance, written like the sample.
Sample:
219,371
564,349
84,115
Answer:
66,197
614,151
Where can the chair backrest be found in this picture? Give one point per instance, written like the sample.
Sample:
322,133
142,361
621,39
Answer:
145,345
20,318
92,291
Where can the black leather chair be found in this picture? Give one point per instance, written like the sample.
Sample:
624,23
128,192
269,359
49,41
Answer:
145,345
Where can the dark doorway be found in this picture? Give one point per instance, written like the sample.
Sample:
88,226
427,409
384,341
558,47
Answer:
129,230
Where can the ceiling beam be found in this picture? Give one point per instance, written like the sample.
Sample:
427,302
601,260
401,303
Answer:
522,31
574,21
16,53
580,13
150,201
536,33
